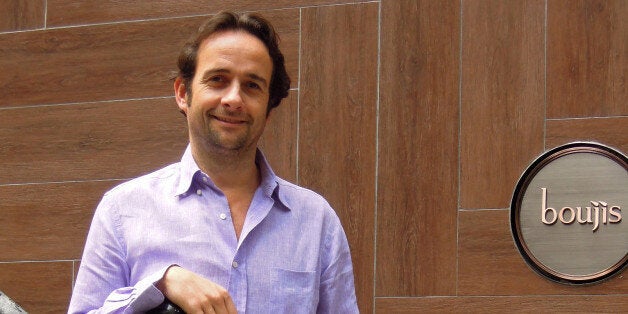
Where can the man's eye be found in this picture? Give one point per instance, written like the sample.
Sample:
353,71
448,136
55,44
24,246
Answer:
253,85
214,80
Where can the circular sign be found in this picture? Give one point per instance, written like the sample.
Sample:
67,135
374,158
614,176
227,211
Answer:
567,213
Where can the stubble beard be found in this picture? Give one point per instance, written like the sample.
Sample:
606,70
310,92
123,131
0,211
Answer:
226,142
221,144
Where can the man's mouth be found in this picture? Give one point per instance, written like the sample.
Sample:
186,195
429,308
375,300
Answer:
230,120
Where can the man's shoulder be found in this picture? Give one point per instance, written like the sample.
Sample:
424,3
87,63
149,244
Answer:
158,180
300,198
292,190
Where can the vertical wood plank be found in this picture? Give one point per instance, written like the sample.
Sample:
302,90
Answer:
503,102
337,123
418,148
587,58
279,141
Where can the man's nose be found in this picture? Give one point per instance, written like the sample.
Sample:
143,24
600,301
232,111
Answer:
233,97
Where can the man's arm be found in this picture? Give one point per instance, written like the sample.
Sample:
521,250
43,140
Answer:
337,289
194,293
139,298
102,284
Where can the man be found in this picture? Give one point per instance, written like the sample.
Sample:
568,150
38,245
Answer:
218,232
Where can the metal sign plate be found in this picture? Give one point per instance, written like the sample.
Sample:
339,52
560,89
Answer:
568,213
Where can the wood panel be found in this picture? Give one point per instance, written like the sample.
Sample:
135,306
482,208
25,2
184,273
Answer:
418,148
514,304
89,141
279,141
608,131
503,102
71,12
91,63
337,126
18,15
489,263
587,58
38,287
47,221
106,62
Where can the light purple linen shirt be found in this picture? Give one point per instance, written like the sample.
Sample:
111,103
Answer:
292,255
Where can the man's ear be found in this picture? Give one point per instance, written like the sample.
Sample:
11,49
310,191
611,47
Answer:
180,93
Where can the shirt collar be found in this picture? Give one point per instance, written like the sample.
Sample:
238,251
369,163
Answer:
189,170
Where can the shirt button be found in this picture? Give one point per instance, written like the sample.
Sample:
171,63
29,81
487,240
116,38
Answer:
199,192
223,216
205,179
234,264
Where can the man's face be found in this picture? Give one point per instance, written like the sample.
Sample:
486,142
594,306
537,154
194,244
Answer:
226,106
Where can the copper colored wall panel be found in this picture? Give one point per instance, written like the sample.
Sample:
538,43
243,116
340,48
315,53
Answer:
47,221
516,304
489,263
502,97
89,141
39,287
609,131
17,15
279,141
337,125
94,63
106,62
587,58
72,12
418,149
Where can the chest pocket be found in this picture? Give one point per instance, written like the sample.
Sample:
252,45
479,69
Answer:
293,291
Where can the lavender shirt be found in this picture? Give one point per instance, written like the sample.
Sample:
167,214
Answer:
292,255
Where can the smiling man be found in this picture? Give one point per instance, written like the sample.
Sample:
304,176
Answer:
219,232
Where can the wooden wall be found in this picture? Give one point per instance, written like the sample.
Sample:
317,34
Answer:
414,118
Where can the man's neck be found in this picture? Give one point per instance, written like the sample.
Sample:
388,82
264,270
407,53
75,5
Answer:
229,170
236,175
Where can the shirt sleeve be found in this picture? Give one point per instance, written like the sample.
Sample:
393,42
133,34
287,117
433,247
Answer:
337,289
102,284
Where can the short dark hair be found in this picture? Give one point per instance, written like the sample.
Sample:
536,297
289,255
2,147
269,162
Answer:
252,23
